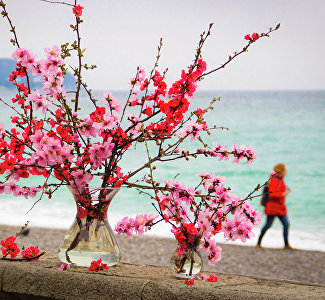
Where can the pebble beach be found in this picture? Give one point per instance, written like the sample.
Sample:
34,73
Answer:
298,265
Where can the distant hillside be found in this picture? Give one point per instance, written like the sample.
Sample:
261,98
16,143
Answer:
7,65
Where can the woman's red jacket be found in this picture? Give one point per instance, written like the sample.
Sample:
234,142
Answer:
276,204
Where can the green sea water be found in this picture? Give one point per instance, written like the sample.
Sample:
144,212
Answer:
282,126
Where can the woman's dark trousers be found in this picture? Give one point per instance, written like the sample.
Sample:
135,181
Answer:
269,221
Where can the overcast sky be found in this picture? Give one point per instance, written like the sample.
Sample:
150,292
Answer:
119,35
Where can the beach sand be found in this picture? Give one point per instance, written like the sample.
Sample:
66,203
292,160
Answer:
298,265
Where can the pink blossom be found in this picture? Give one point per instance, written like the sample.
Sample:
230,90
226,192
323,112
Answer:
139,225
37,139
125,226
214,254
228,228
136,124
109,122
111,102
141,74
190,130
100,152
64,267
19,54
89,128
12,187
53,53
39,101
2,130
80,178
243,152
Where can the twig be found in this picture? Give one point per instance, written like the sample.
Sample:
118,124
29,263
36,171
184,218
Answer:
23,259
57,2
240,52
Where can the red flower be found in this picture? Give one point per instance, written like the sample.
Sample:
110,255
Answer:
189,282
13,76
148,111
179,236
190,228
157,78
212,278
14,119
98,266
166,218
77,10
30,252
9,247
252,38
247,37
255,36
199,111
170,119
23,173
144,85
82,212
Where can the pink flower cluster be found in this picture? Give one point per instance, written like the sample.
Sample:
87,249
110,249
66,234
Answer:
192,131
111,102
198,215
18,190
64,267
49,69
99,152
221,152
50,151
138,225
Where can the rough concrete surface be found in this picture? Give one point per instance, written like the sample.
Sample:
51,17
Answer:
42,280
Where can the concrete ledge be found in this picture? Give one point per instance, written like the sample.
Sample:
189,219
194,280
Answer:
42,280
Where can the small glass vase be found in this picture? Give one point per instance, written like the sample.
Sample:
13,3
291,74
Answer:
188,265
90,236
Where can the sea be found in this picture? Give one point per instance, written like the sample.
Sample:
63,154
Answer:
281,126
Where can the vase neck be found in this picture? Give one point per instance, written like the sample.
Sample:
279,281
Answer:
93,202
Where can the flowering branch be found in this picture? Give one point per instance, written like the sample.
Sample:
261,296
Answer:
26,258
245,49
55,138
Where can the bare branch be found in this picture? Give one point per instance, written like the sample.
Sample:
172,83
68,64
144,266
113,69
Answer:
57,2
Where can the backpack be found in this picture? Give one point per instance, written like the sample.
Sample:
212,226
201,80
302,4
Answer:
265,195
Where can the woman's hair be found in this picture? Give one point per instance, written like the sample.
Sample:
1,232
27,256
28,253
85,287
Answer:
279,168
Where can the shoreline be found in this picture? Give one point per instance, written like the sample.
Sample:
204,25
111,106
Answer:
298,265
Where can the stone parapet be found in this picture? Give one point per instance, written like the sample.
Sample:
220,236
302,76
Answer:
42,280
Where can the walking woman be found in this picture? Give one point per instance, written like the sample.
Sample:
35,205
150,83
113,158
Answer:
276,207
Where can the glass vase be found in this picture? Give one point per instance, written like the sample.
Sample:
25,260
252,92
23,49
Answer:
90,236
188,265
